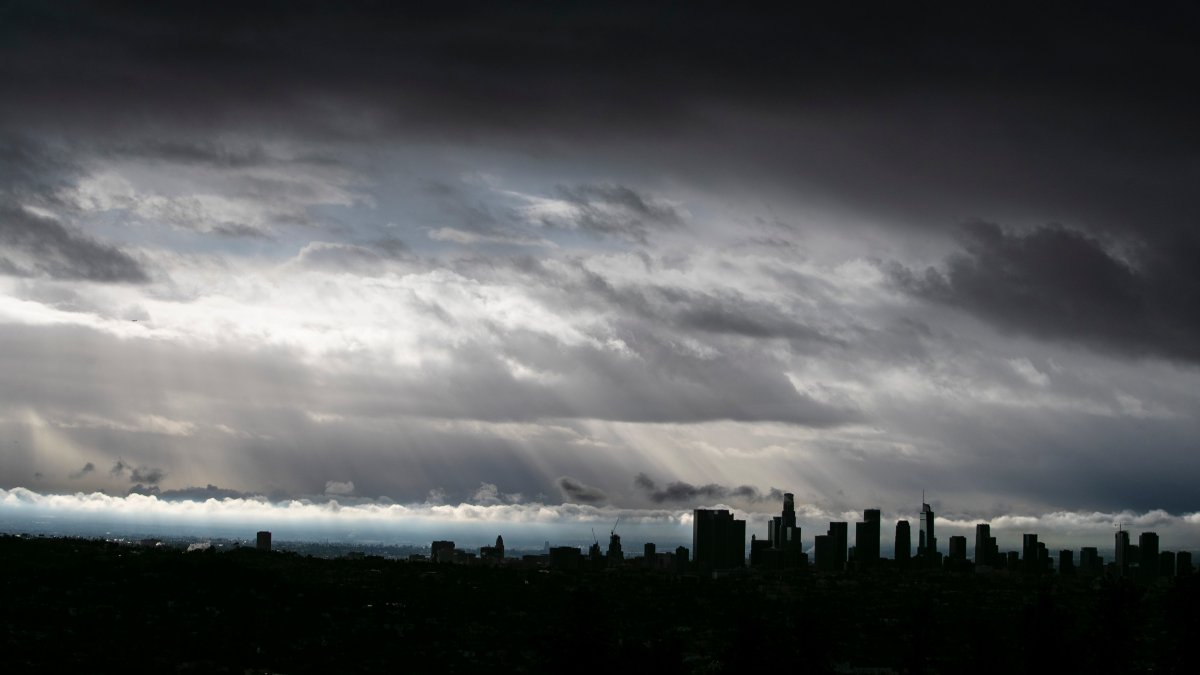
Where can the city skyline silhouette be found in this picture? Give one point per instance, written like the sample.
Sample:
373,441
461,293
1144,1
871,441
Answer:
843,338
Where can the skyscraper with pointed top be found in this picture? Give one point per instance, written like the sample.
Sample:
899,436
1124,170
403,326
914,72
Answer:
927,540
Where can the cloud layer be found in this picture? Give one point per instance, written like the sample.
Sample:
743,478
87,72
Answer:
213,514
614,259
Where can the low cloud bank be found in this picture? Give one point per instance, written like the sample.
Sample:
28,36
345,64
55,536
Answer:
535,521
254,508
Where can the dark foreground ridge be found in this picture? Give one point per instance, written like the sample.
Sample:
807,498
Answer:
96,606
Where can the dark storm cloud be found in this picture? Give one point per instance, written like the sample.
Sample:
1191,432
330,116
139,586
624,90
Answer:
195,494
146,474
581,493
202,153
897,120
33,172
918,115
37,245
1081,458
644,482
1057,283
83,471
681,492
636,64
137,474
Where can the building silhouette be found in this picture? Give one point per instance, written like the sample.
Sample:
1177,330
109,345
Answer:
927,540
1121,554
1166,564
823,556
782,547
1148,555
1066,562
263,541
782,525
958,548
1030,555
838,532
595,556
565,558
1090,562
442,551
615,554
987,553
493,554
1183,563
762,553
681,559
718,540
866,538
903,548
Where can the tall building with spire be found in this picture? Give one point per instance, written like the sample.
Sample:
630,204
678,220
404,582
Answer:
1121,555
782,547
789,510
927,541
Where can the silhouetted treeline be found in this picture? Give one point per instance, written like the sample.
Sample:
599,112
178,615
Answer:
89,606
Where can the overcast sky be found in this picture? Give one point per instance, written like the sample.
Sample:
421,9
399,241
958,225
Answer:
622,258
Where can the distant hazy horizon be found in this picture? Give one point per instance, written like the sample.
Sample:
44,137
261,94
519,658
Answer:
526,526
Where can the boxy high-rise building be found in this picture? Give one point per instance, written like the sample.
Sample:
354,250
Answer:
1166,564
866,538
1066,562
838,533
1030,557
1148,560
1183,563
903,549
718,540
983,557
1089,561
263,541
958,548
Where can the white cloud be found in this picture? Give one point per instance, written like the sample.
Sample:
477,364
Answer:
1027,370
334,487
